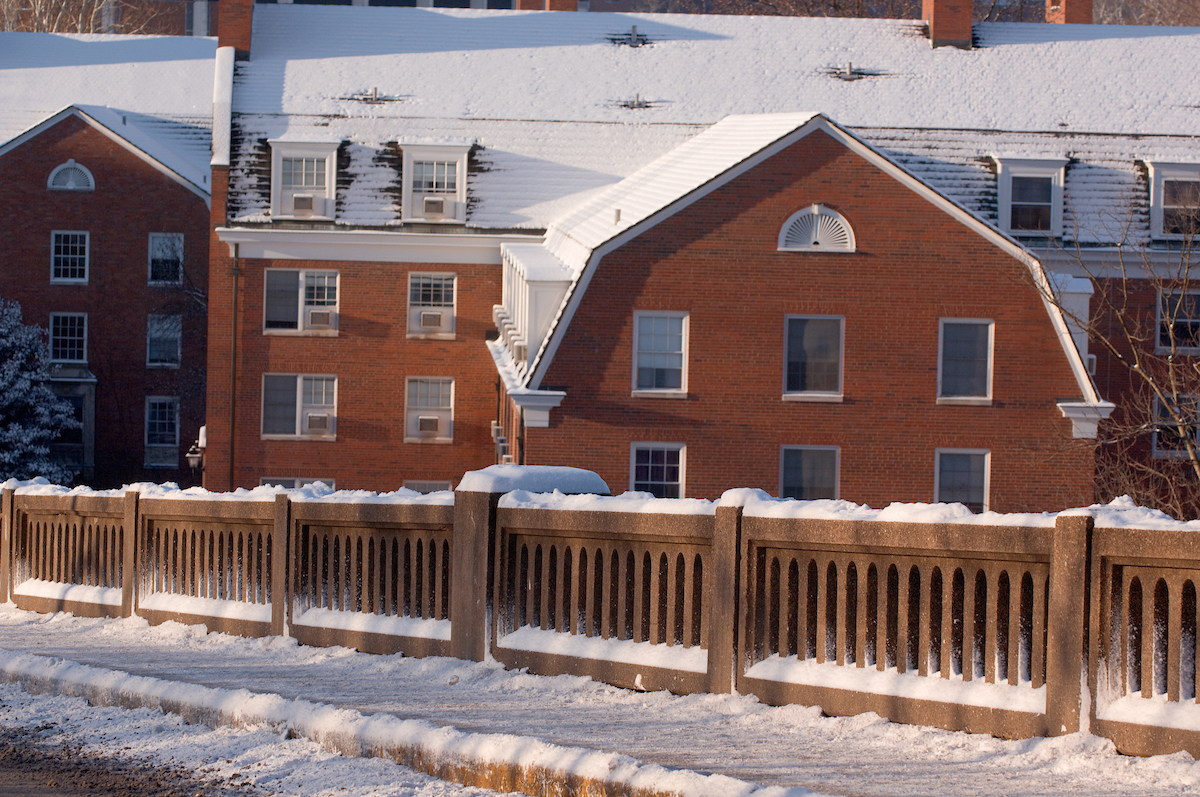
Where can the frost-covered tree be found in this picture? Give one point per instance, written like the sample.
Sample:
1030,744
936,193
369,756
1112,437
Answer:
31,416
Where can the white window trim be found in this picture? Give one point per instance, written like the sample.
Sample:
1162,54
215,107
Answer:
817,396
71,164
412,207
85,338
412,313
302,328
671,393
1008,168
441,438
987,472
970,401
87,257
1160,172
178,344
150,259
1158,453
147,445
280,149
1158,322
300,405
680,447
837,465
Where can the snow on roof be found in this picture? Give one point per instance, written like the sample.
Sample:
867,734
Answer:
161,85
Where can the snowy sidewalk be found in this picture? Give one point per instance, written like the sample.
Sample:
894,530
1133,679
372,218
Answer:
733,735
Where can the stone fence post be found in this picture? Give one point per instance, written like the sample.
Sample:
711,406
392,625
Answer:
474,528
130,561
281,536
1066,629
724,605
6,544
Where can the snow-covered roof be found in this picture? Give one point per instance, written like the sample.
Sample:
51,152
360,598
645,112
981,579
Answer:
153,91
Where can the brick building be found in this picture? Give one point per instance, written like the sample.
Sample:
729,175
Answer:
106,246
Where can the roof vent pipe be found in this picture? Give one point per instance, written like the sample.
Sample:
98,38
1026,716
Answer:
949,22
1075,12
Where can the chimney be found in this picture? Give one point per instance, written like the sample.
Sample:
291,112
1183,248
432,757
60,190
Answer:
233,26
949,22
1074,12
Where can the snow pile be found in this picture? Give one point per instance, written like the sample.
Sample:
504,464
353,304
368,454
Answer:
417,627
1123,513
623,651
60,591
634,502
534,478
317,492
187,605
757,503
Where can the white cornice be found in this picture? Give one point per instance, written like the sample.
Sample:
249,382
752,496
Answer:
373,246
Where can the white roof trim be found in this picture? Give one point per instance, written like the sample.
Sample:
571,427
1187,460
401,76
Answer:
373,246
222,128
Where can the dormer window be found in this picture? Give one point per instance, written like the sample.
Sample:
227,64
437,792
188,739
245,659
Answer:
303,175
71,176
1174,201
1030,196
435,185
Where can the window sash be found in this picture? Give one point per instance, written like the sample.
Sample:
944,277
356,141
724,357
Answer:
660,352
320,289
69,256
435,177
962,478
303,172
1031,203
1179,321
1170,436
162,422
966,359
164,339
814,355
68,337
1181,204
166,258
658,470
431,290
430,394
809,474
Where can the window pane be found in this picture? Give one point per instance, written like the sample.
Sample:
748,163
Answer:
961,479
320,289
70,251
162,422
68,337
814,354
1031,203
430,394
660,352
809,473
435,177
279,404
428,290
964,359
319,391
656,470
1032,190
282,292
166,258
163,338
303,172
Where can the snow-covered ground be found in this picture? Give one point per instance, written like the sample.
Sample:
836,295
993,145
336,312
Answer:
734,735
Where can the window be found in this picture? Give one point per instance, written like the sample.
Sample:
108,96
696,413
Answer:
1174,200
299,405
431,305
68,337
660,354
657,468
816,229
962,478
1173,430
164,339
303,176
71,176
814,359
434,182
429,410
426,487
300,301
69,256
808,472
166,258
1178,322
292,483
162,432
965,361
1031,196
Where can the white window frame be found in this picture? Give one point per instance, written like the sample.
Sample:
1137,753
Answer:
816,395
302,307
323,198
637,445
1008,168
1172,453
302,410
1160,173
673,393
978,401
84,316
987,472
178,342
412,202
416,329
160,455
413,413
87,257
175,241
1158,324
295,482
837,466
71,164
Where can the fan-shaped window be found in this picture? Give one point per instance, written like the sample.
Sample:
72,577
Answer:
71,176
816,229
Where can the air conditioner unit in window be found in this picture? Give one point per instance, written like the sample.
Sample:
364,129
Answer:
508,459
320,318
317,422
435,206
431,320
303,204
428,424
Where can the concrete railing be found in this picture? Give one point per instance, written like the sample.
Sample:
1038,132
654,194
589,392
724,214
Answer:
967,627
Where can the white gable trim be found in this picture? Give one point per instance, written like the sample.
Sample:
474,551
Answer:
72,110
819,122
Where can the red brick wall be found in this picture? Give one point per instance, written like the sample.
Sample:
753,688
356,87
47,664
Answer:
717,260
131,200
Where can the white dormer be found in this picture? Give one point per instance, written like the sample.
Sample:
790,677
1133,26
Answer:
303,179
1030,196
435,182
1174,200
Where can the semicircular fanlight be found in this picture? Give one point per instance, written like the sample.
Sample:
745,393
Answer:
71,176
816,229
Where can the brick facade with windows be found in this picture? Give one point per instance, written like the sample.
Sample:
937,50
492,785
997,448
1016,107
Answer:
717,261
131,200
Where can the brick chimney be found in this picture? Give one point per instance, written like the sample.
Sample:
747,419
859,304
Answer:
233,26
949,22
1075,12
548,5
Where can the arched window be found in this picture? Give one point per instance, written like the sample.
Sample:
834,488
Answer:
71,176
816,229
